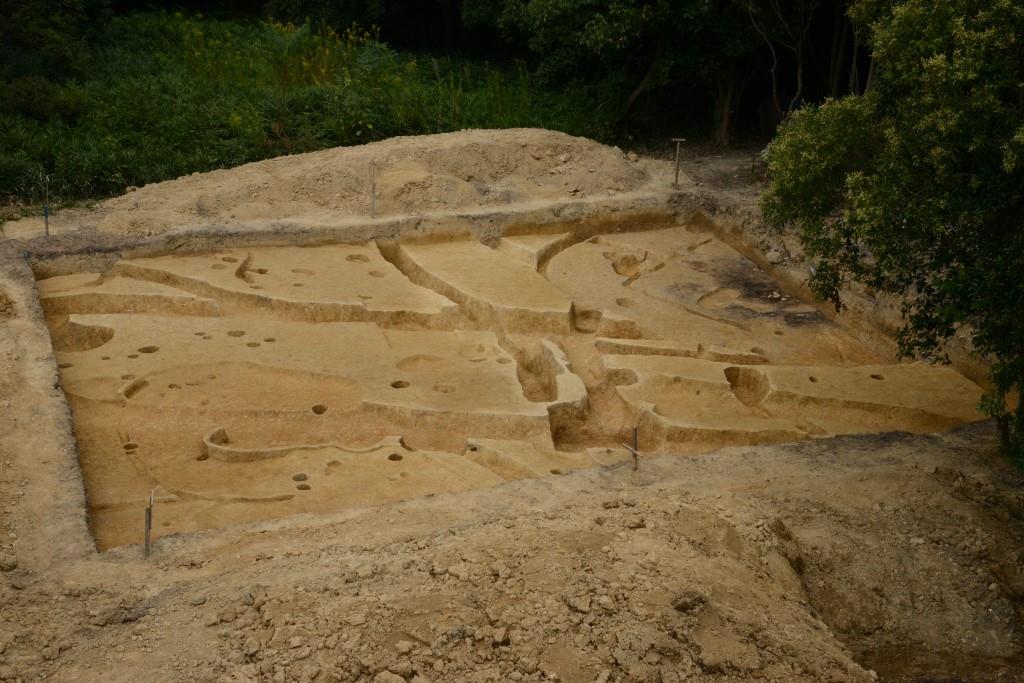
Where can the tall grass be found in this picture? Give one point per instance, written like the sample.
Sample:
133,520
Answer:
170,94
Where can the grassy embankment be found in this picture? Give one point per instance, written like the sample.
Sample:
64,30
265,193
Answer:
161,95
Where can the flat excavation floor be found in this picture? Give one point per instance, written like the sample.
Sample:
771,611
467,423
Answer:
250,384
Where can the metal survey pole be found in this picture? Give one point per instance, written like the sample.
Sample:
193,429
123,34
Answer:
679,142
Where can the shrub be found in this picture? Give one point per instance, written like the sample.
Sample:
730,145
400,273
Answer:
917,188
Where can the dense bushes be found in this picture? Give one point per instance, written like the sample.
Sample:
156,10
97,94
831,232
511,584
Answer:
164,94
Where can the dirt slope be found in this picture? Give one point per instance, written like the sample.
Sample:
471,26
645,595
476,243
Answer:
806,562
463,170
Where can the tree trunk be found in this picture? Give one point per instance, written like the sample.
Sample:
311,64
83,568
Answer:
1003,429
839,39
1010,423
854,85
799,80
1016,436
643,86
724,97
775,61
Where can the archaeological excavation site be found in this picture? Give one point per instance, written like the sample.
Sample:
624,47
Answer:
489,405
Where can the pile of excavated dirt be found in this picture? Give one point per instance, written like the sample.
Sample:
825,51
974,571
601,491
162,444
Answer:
414,175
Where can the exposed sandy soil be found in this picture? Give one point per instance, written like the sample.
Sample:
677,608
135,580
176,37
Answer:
382,457
257,383
416,175
814,562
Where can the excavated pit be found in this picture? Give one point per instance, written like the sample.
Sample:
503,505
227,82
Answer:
260,382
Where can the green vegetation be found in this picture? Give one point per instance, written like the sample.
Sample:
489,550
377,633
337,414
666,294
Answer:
917,187
170,94
97,97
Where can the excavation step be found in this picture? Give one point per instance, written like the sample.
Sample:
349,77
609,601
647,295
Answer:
535,250
329,283
248,384
409,371
694,400
494,288
684,285
94,293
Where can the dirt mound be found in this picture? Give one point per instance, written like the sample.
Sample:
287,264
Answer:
6,306
411,175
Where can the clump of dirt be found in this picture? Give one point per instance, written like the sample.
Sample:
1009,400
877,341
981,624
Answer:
6,306
463,170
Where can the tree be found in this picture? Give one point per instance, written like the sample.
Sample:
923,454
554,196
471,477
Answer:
787,24
917,187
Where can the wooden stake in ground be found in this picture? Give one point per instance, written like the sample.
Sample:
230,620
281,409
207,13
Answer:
149,524
373,188
46,204
679,142
635,448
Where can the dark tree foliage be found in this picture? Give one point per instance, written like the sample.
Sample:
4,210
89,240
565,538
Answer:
917,187
45,38
731,65
434,26
635,47
41,44
652,67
